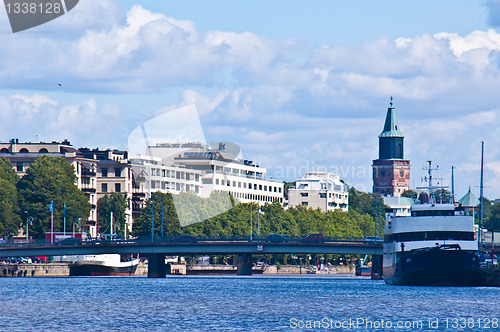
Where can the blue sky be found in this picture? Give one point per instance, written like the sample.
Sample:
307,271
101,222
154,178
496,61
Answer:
299,86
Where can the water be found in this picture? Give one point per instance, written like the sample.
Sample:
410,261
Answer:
257,303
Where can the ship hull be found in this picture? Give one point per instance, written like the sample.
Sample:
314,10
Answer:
101,270
435,267
104,265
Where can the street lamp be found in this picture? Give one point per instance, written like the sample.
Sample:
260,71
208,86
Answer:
29,221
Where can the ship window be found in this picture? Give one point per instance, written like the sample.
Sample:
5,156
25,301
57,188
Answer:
432,213
431,236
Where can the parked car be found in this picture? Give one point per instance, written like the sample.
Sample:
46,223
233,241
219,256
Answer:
185,238
277,238
314,238
70,241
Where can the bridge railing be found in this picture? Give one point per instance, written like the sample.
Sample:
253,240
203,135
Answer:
184,239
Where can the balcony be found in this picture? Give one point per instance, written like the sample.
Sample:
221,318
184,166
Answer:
88,173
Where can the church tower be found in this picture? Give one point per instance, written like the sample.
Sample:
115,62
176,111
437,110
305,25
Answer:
391,173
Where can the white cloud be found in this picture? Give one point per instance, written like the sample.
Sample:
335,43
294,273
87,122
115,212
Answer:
286,102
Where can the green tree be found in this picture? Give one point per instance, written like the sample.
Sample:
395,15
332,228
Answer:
410,193
362,203
116,203
9,217
51,179
171,226
442,196
491,211
286,186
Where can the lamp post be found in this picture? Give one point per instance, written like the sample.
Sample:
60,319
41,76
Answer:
29,221
251,223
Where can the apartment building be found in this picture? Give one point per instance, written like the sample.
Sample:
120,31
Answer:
23,154
114,175
319,190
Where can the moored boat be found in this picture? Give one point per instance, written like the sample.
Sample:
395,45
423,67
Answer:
103,265
434,246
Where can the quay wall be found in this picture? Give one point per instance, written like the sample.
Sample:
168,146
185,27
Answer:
34,270
62,269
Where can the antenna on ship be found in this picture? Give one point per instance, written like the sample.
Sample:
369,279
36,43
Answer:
452,185
432,199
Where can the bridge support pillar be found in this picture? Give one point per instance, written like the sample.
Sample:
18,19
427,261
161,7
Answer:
245,264
377,261
156,266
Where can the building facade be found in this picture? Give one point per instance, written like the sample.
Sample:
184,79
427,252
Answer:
391,172
23,154
319,190
191,167
113,175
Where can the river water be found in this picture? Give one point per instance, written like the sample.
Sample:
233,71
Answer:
236,303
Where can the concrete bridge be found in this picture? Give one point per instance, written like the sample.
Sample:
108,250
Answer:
157,250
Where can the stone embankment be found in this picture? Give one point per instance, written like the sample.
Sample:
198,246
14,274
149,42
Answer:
34,270
62,269
182,269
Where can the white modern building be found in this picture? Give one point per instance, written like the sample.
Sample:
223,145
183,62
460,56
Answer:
319,190
242,179
191,167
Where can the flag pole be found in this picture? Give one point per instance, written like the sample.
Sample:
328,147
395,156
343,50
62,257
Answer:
51,222
64,227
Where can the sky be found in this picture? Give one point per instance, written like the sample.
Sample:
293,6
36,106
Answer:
298,86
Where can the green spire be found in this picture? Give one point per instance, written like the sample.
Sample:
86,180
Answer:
469,200
391,127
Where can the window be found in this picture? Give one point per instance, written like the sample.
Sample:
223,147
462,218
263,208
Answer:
104,172
19,167
207,181
104,187
304,203
216,181
322,195
304,194
118,172
118,187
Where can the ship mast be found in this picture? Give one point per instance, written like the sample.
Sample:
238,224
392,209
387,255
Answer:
480,237
432,198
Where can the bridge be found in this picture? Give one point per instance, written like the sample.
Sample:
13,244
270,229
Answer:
157,250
